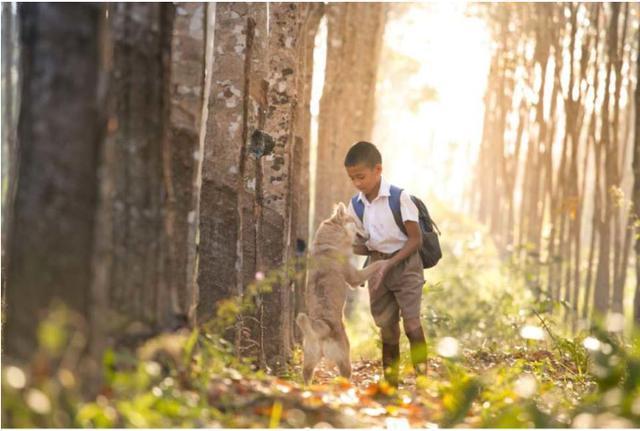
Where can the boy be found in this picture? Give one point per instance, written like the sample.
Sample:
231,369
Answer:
397,288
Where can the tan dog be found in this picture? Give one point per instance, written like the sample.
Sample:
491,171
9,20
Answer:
330,271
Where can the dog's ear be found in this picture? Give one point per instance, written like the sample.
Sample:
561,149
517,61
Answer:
339,210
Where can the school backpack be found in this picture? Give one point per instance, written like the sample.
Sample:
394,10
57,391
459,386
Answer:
430,251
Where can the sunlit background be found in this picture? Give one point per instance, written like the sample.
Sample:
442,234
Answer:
429,107
429,98
317,85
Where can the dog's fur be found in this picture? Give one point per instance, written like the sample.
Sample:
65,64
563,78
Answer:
330,271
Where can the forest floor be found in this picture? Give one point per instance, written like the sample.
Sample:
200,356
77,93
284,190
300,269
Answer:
366,401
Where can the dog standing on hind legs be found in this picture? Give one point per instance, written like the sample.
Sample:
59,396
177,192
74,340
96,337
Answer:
330,272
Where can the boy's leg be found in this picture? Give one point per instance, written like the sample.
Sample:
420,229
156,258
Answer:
413,329
386,314
391,353
407,288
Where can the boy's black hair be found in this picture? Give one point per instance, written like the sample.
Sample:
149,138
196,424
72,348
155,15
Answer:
363,152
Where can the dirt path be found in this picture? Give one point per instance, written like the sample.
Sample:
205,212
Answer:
365,400
369,402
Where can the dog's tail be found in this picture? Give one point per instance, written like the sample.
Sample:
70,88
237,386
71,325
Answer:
312,328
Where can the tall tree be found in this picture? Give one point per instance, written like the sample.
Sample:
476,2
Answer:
60,130
10,109
619,262
132,280
574,69
608,142
187,95
347,103
636,186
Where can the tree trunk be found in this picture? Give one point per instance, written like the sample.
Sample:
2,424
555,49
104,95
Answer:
626,166
568,171
132,280
282,97
580,183
194,216
530,210
347,104
618,230
186,94
10,110
60,127
299,185
592,142
550,188
603,274
636,187
255,178
219,221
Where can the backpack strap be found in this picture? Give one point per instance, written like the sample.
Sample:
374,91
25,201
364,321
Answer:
394,204
358,206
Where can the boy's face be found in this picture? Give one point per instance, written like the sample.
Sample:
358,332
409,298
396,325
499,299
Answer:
364,177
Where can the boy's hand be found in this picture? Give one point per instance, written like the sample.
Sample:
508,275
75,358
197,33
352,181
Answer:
376,280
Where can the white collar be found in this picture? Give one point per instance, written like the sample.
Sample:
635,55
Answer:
385,190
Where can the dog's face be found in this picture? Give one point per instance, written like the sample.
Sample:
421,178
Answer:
345,222
338,231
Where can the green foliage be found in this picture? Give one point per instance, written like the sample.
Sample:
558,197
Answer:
164,383
471,295
458,393
615,368
47,392
486,301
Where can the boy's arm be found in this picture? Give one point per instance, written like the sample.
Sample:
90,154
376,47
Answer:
409,212
412,244
410,215
414,241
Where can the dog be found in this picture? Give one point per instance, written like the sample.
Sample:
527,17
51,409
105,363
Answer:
330,271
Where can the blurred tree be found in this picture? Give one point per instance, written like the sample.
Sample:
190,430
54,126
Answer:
60,133
10,109
636,188
347,103
560,80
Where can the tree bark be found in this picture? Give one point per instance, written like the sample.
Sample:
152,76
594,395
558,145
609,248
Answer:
603,274
255,180
59,129
10,110
299,185
132,283
347,103
618,230
186,94
219,224
636,187
592,142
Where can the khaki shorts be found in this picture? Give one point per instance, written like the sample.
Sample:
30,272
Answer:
400,292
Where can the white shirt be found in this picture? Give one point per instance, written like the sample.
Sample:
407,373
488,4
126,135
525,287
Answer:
384,235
